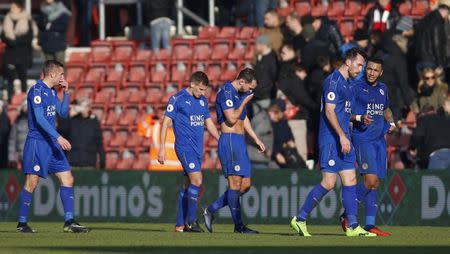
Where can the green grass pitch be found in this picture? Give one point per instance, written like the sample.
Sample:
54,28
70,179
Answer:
273,239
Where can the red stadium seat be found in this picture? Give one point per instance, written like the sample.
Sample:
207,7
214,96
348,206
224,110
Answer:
319,10
405,8
246,33
101,51
303,8
158,76
111,160
107,134
100,112
208,32
214,71
220,51
114,114
142,161
166,97
119,138
134,140
18,98
182,49
180,72
153,95
420,8
95,73
115,72
79,57
136,96
74,72
336,8
142,55
227,32
353,8
137,73
162,55
129,117
202,50
347,28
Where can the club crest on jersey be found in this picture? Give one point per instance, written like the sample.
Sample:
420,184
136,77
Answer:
331,96
237,168
36,168
169,108
191,165
202,103
381,91
37,99
331,163
365,166
229,103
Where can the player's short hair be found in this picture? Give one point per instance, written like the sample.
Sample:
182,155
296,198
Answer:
376,60
247,74
352,53
199,77
51,65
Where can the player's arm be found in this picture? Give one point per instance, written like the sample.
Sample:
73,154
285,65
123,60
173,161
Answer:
62,107
332,119
249,130
45,125
211,127
162,139
365,119
389,117
232,115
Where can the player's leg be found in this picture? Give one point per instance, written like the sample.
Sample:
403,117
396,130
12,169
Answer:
350,203
31,182
192,193
182,206
66,194
234,193
298,223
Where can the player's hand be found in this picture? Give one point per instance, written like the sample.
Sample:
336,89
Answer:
261,146
248,98
367,119
345,144
64,143
64,84
161,156
392,128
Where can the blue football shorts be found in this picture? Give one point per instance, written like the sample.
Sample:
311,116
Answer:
371,157
233,155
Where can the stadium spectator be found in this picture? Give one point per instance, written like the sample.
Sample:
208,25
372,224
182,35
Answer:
260,123
18,31
159,13
85,134
382,17
314,48
17,137
405,27
260,10
272,29
395,75
84,10
293,35
288,59
284,151
326,30
317,76
431,139
432,42
4,131
296,90
266,67
431,90
360,40
53,24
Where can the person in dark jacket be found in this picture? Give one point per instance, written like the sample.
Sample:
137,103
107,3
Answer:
395,74
293,33
84,133
4,131
17,33
266,70
314,48
17,137
288,59
431,139
302,124
53,24
432,38
326,31
383,17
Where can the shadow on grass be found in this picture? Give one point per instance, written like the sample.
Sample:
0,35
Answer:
258,250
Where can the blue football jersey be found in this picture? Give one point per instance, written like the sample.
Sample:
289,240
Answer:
188,115
40,95
369,100
228,97
336,90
